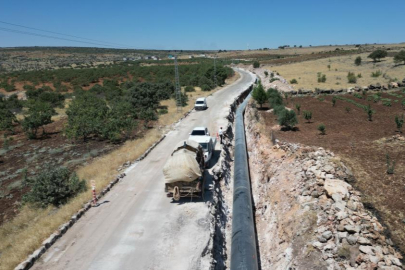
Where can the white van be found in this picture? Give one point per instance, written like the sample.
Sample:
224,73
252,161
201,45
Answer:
200,104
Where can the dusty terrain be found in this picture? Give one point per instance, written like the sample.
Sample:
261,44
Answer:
307,215
336,76
363,146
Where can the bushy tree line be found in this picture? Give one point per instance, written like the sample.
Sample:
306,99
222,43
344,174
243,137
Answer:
199,74
286,118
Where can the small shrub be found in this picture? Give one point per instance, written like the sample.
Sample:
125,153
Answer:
334,99
307,115
274,79
403,104
347,109
386,102
376,74
293,81
298,107
369,112
359,75
162,111
399,121
53,186
357,61
266,73
390,165
256,64
357,95
189,89
322,129
329,66
351,78
321,77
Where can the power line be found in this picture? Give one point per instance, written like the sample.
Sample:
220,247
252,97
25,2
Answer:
53,37
37,29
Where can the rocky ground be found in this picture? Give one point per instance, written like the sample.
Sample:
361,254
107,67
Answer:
307,215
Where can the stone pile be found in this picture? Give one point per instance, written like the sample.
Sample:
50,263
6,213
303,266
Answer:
347,235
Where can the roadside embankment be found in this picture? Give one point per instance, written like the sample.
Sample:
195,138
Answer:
307,215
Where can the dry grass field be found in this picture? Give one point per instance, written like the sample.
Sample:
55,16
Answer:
336,76
32,226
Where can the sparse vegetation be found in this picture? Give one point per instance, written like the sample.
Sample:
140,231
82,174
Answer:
348,109
321,77
399,121
307,116
334,99
376,74
390,164
369,112
357,61
293,81
351,78
298,107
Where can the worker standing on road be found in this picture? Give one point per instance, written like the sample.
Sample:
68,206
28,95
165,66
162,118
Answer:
221,134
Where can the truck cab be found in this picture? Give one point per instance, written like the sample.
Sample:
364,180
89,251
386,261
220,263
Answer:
208,146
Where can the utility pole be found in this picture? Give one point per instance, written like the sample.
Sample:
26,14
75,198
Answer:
177,86
215,70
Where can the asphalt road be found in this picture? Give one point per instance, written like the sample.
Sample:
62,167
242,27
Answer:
137,226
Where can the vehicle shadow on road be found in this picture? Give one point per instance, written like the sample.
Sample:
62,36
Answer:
214,159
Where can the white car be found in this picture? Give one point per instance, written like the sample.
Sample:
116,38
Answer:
202,136
199,131
200,104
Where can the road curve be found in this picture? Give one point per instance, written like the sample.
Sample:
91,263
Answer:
137,226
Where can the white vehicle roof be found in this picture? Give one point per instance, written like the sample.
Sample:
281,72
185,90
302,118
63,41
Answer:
201,99
199,128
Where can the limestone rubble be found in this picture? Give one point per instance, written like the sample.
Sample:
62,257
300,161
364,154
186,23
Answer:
308,216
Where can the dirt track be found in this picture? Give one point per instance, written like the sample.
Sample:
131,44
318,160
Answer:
137,226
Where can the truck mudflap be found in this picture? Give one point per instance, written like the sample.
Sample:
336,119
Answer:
179,190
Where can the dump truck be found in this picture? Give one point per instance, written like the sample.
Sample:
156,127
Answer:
184,171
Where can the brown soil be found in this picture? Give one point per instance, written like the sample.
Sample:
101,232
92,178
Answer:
32,156
363,145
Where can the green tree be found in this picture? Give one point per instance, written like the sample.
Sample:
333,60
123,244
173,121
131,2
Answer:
39,114
369,112
259,95
307,116
399,121
287,118
377,55
400,57
357,61
322,129
274,97
53,186
293,81
256,64
86,116
7,117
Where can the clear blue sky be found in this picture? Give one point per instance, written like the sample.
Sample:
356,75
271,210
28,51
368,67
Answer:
220,24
